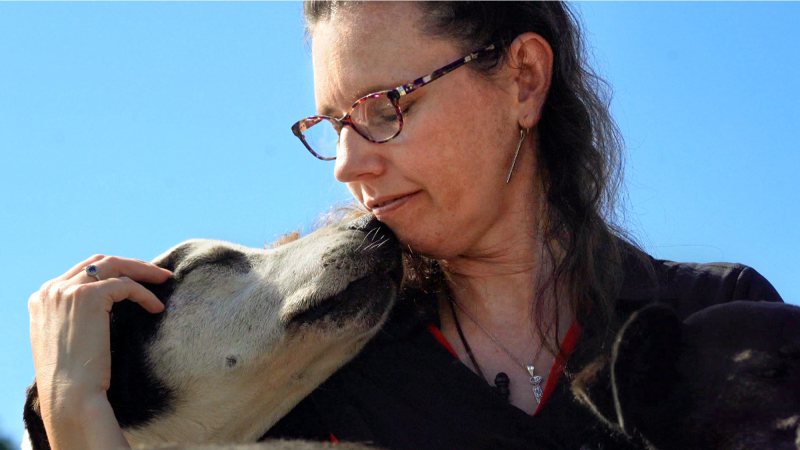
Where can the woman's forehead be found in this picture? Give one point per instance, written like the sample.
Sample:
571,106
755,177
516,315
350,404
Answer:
370,47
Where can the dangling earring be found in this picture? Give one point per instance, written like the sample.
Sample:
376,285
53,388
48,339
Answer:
522,133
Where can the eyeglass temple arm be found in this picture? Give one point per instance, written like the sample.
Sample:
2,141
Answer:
422,81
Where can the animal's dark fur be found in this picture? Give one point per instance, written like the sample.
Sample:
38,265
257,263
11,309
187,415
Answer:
32,416
727,378
276,445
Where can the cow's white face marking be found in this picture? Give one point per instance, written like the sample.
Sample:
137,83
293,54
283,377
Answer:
790,423
743,356
787,423
233,346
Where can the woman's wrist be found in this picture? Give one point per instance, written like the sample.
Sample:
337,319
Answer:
82,422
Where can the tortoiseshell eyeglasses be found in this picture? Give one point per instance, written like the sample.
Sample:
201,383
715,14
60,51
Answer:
377,117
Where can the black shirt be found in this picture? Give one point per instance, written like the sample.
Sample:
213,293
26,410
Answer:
405,390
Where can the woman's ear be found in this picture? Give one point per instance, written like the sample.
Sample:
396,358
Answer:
531,63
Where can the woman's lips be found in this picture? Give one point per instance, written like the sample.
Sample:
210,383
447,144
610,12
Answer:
382,209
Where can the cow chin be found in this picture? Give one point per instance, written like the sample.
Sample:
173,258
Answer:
360,308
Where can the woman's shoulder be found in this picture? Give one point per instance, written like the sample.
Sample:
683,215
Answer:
689,287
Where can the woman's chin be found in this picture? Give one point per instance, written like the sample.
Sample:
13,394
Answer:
424,233
428,246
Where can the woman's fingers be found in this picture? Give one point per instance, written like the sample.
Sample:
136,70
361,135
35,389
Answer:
78,268
70,326
116,267
70,337
122,288
116,282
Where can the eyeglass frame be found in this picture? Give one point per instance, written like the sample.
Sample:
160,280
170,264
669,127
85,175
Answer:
394,96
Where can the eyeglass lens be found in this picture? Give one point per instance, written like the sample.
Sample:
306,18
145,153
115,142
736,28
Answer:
374,117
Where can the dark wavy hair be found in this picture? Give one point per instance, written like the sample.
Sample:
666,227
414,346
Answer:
579,152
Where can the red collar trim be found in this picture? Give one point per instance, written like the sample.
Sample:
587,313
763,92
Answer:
437,334
567,347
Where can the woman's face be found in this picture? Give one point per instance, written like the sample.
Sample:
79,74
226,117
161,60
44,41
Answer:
441,184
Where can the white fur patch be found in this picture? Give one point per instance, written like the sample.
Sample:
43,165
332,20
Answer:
787,423
743,356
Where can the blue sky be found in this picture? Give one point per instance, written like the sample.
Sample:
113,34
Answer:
126,128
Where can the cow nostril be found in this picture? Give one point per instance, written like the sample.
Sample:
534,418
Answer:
366,222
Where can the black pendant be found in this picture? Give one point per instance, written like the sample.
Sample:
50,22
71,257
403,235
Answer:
501,383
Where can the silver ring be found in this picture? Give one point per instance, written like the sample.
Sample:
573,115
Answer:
91,270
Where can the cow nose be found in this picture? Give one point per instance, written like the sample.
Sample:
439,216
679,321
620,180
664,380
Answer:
379,245
374,228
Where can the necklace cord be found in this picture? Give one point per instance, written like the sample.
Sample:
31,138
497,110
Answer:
494,339
535,379
464,340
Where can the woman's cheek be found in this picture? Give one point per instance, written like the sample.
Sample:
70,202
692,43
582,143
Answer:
355,191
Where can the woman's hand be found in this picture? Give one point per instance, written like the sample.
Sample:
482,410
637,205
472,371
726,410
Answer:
71,347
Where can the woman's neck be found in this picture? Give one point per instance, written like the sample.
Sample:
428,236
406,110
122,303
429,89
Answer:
495,298
499,277
498,298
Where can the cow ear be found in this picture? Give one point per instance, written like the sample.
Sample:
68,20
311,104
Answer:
644,367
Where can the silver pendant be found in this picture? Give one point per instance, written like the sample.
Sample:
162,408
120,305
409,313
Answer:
536,383
537,388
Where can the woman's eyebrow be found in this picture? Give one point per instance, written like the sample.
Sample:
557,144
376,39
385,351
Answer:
332,111
327,111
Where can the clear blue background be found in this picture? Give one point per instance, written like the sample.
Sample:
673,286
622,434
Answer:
126,128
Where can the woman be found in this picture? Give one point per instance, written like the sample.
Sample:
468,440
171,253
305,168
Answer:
503,172
499,173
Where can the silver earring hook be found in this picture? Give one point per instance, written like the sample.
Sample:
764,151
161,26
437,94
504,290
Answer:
522,133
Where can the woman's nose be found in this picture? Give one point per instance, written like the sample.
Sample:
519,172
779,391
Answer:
357,158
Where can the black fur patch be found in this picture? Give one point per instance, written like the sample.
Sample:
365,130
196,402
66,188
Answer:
32,417
135,394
